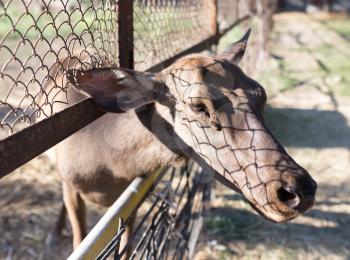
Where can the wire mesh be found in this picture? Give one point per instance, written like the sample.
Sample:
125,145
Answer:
36,39
170,218
164,28
230,11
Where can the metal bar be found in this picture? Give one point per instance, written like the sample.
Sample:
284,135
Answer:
105,229
126,34
23,146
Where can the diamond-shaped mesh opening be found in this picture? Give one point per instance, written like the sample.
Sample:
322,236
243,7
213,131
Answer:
36,38
165,28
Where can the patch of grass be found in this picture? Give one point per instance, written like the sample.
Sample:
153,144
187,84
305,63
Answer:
333,58
237,225
333,69
337,64
342,26
278,78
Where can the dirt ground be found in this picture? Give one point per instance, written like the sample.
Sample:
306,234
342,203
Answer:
308,84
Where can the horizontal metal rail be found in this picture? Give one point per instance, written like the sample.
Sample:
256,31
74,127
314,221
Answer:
105,229
25,145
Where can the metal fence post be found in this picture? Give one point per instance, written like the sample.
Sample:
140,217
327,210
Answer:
126,34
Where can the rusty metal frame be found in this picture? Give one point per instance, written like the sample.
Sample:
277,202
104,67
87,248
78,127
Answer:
25,145
126,33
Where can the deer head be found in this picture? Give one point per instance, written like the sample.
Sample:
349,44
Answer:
217,111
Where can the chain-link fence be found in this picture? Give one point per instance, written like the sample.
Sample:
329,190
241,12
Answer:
170,218
165,28
36,38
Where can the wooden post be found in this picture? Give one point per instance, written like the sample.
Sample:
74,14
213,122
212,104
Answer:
126,34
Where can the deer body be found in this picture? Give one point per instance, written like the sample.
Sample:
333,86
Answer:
112,150
98,162
213,109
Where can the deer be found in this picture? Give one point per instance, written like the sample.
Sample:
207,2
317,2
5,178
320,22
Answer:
200,107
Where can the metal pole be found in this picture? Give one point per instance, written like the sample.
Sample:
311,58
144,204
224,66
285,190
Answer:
126,34
105,229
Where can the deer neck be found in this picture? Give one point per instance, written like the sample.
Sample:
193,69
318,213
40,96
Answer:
158,120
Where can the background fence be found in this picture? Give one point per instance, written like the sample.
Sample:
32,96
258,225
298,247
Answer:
38,37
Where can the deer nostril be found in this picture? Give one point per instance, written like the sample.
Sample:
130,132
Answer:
289,197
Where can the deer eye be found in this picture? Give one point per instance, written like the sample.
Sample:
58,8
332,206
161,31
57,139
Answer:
198,108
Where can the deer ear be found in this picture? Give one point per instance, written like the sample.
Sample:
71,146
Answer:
235,52
116,89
